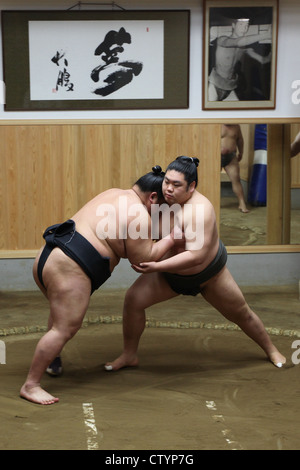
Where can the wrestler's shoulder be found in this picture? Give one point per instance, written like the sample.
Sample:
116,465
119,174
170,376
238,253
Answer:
199,198
113,195
221,40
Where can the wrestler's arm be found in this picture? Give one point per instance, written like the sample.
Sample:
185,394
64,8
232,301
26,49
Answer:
190,257
240,144
227,41
259,58
143,248
184,260
295,147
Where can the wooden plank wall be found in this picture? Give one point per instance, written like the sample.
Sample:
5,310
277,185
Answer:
48,171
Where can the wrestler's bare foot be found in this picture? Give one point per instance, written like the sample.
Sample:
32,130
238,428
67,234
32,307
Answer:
36,394
277,359
122,361
244,209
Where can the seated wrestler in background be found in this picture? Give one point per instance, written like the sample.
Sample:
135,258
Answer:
80,255
199,268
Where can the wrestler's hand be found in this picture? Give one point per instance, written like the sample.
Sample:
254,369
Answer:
144,268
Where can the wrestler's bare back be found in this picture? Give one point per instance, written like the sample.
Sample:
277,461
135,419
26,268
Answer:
88,217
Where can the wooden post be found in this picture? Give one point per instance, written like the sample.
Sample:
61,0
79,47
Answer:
278,185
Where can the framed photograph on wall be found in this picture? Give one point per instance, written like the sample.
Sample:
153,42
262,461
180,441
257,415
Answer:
93,60
239,54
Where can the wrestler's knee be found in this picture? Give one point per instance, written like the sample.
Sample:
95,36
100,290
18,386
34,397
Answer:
134,300
130,300
246,314
238,314
67,326
71,331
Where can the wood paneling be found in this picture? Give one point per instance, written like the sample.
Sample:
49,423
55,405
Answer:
49,171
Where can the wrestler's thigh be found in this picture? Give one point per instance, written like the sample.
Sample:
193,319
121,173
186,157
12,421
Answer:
233,168
211,93
35,273
68,306
223,293
68,290
147,290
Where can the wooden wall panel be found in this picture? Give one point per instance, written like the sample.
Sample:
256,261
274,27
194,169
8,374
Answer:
48,171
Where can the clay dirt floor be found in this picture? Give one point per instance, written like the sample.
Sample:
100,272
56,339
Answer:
201,383
241,229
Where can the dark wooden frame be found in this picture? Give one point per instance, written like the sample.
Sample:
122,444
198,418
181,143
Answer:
16,60
217,18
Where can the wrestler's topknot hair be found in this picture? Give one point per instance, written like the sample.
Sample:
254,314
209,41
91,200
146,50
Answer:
186,165
152,181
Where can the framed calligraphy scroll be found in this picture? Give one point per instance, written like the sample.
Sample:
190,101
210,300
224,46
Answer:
240,54
93,60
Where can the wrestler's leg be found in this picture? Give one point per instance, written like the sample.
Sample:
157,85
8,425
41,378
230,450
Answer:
55,368
212,94
35,273
233,171
68,293
147,290
224,294
41,287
